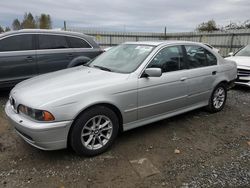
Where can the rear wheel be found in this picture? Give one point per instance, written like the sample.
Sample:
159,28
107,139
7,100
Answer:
94,131
218,98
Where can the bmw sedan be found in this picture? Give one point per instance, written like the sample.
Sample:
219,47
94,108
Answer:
133,84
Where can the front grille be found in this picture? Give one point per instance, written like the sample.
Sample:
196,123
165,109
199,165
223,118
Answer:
243,72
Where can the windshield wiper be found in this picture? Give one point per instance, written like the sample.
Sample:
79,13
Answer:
103,68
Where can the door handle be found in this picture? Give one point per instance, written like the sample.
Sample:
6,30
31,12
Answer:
29,59
183,79
70,56
214,72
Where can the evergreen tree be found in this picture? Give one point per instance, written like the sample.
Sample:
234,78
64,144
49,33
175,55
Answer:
16,25
1,29
45,21
7,29
28,21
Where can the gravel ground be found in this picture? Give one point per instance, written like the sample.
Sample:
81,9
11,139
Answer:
196,149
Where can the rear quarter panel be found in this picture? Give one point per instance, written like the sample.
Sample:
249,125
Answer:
227,71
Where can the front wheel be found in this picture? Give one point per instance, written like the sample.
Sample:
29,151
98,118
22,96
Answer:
218,98
94,131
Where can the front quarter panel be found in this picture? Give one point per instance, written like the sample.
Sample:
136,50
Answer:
121,95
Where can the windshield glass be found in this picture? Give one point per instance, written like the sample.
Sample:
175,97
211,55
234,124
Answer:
124,58
244,51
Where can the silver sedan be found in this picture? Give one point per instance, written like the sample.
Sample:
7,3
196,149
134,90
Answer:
130,85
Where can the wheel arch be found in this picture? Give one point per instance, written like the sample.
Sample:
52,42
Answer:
108,105
78,61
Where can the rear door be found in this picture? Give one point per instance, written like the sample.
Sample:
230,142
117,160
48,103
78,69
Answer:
17,59
203,71
53,52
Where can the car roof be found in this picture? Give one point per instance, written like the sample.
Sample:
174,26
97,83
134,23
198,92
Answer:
162,42
43,31
51,31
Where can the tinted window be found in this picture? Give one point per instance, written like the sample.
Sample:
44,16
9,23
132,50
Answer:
52,42
78,43
199,57
211,59
168,59
16,43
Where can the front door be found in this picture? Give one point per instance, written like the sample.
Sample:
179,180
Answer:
168,93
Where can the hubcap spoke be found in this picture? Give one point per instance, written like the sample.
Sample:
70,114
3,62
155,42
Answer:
100,141
104,124
89,140
86,134
106,129
99,121
93,142
103,136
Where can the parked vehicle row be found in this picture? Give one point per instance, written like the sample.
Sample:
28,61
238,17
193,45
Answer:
128,86
28,53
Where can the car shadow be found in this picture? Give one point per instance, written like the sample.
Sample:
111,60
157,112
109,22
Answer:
242,88
4,93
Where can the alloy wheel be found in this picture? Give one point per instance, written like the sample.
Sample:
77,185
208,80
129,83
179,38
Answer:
96,132
219,97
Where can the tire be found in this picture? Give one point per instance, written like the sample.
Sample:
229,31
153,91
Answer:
218,98
94,131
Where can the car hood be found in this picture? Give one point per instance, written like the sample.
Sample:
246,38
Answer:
51,87
242,61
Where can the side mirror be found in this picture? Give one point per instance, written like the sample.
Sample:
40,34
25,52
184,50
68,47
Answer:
153,72
231,54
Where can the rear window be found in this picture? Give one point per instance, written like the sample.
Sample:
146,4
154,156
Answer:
16,43
78,43
52,42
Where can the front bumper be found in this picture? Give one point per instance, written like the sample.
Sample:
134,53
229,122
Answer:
45,136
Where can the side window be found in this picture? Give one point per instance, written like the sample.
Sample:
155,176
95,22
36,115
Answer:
16,43
78,43
52,42
211,59
168,59
199,57
196,56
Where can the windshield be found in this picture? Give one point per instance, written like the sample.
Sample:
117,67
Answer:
124,58
244,51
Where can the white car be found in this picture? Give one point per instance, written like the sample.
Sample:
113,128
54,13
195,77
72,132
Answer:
242,59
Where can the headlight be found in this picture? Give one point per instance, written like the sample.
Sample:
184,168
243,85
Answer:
40,115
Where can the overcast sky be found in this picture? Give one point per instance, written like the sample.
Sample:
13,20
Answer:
135,15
